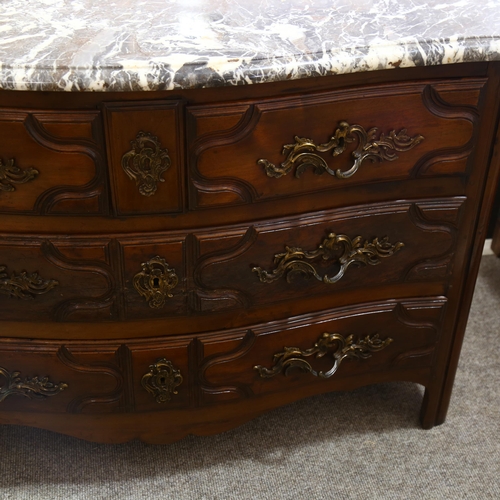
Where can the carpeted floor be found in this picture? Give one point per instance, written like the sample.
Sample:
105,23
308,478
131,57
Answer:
366,444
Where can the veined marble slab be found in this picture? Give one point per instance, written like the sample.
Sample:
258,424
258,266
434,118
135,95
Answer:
124,45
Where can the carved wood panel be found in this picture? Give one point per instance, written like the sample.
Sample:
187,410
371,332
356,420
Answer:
227,370
227,144
276,261
64,152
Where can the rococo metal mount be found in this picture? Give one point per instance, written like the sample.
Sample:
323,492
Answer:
340,347
338,248
303,153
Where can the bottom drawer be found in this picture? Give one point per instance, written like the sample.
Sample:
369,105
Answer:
304,355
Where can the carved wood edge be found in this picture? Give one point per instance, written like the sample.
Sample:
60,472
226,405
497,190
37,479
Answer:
88,147
243,189
64,309
443,260
226,255
98,368
436,105
238,352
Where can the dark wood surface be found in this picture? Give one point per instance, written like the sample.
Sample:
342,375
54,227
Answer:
82,225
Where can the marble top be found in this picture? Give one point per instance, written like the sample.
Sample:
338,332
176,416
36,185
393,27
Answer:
124,45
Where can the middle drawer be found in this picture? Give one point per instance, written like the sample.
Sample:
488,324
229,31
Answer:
313,257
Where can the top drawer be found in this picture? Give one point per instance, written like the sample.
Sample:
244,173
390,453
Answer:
273,149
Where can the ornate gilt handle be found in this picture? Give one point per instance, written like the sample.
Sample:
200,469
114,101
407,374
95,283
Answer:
146,162
24,285
155,281
162,380
11,174
33,388
302,153
339,346
338,248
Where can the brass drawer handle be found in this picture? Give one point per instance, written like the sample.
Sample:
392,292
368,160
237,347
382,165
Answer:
155,281
33,388
340,347
10,174
24,286
146,162
353,251
302,153
162,380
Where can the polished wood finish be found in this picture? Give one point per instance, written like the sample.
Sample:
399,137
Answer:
83,223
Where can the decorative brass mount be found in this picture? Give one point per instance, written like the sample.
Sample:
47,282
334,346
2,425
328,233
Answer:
162,380
33,388
24,286
10,174
339,346
146,162
155,281
302,153
351,252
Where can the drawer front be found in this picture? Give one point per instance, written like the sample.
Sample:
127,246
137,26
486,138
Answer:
76,378
262,150
368,342
145,151
52,163
298,260
358,248
322,351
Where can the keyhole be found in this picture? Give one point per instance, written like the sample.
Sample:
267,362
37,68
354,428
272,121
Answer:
156,282
162,380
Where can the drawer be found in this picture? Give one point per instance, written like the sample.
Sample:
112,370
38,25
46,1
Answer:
52,163
324,351
99,378
145,153
159,275
263,150
375,340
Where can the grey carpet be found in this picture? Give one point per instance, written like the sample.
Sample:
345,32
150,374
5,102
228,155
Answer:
362,445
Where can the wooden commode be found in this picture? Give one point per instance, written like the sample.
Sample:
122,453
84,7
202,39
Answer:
179,262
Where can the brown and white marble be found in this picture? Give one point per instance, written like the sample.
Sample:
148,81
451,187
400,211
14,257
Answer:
89,45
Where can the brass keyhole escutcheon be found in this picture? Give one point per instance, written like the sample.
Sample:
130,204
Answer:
146,162
155,281
162,380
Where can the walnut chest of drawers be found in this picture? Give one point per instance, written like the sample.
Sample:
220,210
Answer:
180,262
